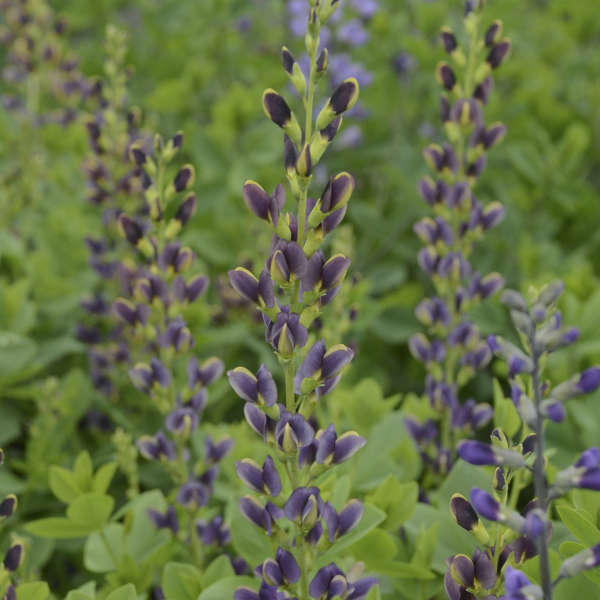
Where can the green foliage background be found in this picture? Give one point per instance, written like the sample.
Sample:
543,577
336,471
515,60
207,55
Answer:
193,69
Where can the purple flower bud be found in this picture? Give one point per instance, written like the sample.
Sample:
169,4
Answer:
337,193
167,520
181,420
304,507
132,231
498,53
215,452
130,313
255,513
148,377
517,586
186,209
462,570
448,40
12,558
329,582
483,90
485,505
8,506
264,481
338,524
445,76
259,389
433,192
286,333
193,494
213,532
157,447
589,458
589,380
582,561
589,479
292,432
463,512
176,336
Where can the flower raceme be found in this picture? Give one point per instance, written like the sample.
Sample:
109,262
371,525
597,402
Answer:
517,464
453,350
293,288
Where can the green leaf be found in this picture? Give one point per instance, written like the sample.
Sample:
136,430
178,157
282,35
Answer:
181,581
83,470
376,547
57,528
397,499
220,568
78,595
63,484
581,527
103,477
127,592
451,538
225,588
102,554
506,416
86,592
404,570
92,510
371,518
425,546
36,590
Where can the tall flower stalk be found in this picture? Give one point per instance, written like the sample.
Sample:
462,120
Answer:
291,291
42,84
453,349
14,555
517,537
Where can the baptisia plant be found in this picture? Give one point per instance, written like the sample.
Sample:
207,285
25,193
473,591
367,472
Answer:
160,344
292,290
41,84
453,349
347,29
14,555
517,536
114,185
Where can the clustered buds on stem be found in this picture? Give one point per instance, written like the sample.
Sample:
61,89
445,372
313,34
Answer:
519,536
13,557
297,282
147,204
453,350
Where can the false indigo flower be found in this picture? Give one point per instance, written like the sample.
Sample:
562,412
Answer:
263,481
168,520
282,570
259,389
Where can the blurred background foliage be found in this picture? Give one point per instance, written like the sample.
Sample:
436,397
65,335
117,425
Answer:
200,66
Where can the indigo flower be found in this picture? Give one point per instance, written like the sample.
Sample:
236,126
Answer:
149,377
167,520
213,532
265,480
518,587
338,524
478,453
297,282
282,570
259,389
157,447
322,368
582,561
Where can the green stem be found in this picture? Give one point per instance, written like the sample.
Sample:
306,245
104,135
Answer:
290,399
539,479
